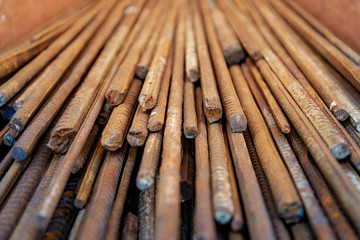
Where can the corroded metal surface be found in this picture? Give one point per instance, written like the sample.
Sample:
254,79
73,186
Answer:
191,171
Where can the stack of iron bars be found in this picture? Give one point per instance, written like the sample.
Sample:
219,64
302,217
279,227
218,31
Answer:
225,119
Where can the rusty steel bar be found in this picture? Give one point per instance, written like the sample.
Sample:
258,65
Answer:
121,81
10,137
237,222
336,143
89,177
241,31
65,214
150,161
222,200
317,73
130,228
340,223
275,109
143,65
26,91
346,89
58,184
248,184
147,214
113,227
3,132
150,91
72,119
191,59
190,120
307,62
329,134
323,157
167,217
276,46
138,130
157,114
25,228
301,231
250,188
50,77
16,168
287,199
83,156
333,55
6,163
211,99
352,174
349,104
114,134
136,29
318,221
98,211
352,132
230,44
40,124
21,194
76,225
203,217
232,107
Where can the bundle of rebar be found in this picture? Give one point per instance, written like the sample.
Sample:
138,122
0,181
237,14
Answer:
162,119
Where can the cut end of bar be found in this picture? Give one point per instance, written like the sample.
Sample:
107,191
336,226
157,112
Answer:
114,97
147,102
340,114
79,203
18,153
212,109
16,124
110,143
141,71
238,123
136,138
285,129
154,125
144,182
61,139
186,191
194,75
110,146
292,212
341,151
9,139
190,132
17,105
222,215
234,54
213,115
